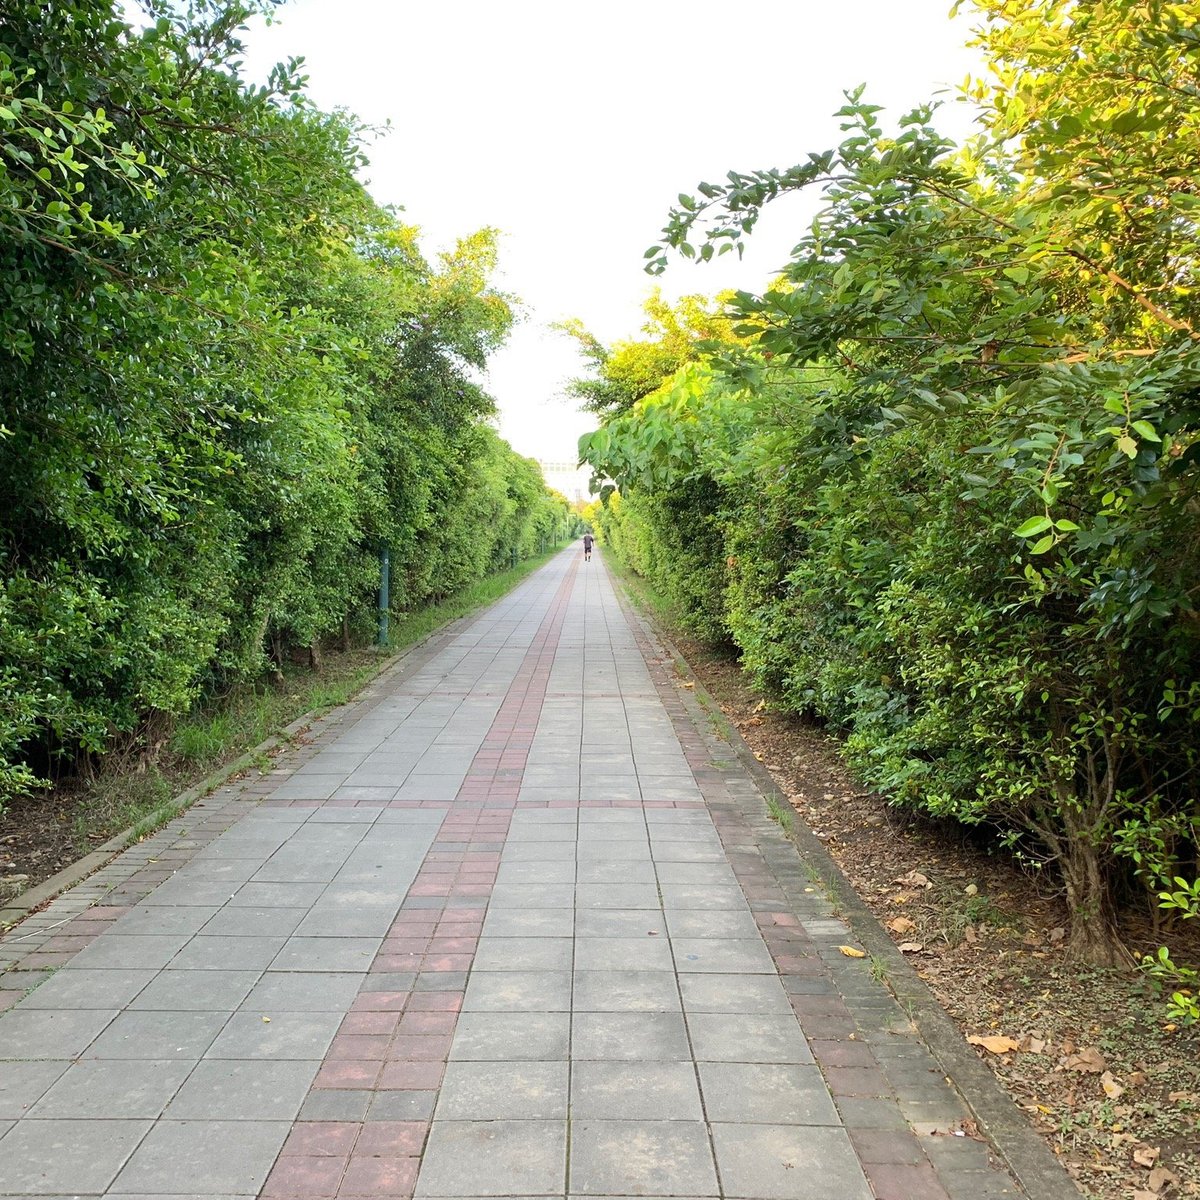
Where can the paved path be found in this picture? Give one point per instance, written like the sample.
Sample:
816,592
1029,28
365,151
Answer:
508,926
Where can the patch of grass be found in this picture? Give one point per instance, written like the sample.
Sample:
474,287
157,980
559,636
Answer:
960,912
781,812
642,594
115,802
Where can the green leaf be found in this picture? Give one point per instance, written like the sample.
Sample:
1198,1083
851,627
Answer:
1033,526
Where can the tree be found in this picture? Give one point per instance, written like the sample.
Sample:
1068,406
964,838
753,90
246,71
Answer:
989,446
227,378
624,373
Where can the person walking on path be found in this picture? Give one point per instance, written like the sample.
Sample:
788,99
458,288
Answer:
587,547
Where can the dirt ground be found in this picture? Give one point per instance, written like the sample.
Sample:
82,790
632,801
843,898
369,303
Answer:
1090,1056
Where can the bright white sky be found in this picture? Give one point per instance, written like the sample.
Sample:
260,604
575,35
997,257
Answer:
572,127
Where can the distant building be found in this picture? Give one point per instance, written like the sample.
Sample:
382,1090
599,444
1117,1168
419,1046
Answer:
568,478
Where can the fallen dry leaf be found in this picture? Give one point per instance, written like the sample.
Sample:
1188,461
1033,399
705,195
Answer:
1032,1045
1112,1089
1057,933
912,947
994,1043
851,952
1162,1178
1137,1079
901,925
1088,1060
1146,1156
915,879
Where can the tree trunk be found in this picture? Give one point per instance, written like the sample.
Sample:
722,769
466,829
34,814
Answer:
1094,938
275,671
314,656
345,645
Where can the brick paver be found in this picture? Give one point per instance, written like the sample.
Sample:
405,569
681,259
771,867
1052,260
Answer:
510,925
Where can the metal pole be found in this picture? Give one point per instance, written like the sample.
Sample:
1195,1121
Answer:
385,580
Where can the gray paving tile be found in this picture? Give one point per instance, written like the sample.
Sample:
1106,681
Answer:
518,991
694,896
497,1036
654,1090
526,834
67,1157
600,871
536,872
626,991
637,1036
23,1083
617,895
401,1105
244,921
310,787
368,793
724,956
115,950
524,954
734,994
303,991
497,1091
195,991
681,873
277,895
158,919
281,1035
161,1035
619,923
614,850
50,1033
556,851
228,872
299,870
190,893
167,1196
326,954
713,923
494,1158
645,953
338,1104
82,988
642,1158
227,953
221,1089
532,895
771,1093
529,922
117,1089
788,1162
735,1037
216,1157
